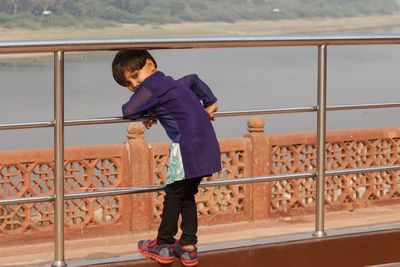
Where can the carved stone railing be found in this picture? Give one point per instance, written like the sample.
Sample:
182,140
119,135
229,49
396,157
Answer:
138,163
295,153
30,173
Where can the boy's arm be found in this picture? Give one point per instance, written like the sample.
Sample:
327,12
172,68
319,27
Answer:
200,88
138,104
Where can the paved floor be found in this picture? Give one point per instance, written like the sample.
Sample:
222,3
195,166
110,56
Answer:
218,236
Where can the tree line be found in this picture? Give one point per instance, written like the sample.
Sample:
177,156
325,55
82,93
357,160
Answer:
97,13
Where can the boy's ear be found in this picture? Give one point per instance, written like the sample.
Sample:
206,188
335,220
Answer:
150,63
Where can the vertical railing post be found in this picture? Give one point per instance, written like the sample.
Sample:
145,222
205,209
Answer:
260,159
140,162
59,260
321,133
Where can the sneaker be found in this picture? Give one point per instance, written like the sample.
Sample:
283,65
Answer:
162,253
187,257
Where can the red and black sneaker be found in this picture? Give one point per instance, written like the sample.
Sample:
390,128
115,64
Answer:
162,253
187,257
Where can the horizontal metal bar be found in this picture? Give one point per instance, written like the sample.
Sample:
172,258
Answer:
27,125
26,200
265,111
147,189
94,121
109,120
363,106
102,193
363,170
196,42
114,192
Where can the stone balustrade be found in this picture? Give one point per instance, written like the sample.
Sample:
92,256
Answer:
137,163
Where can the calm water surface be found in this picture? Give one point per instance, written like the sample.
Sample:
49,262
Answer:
242,78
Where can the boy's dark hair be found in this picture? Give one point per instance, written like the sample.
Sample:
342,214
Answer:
129,60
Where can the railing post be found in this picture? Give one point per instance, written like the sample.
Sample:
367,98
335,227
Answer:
321,133
59,260
139,162
261,192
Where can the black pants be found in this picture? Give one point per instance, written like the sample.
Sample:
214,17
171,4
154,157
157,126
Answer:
179,200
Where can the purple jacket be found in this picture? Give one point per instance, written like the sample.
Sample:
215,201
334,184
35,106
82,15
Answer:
178,108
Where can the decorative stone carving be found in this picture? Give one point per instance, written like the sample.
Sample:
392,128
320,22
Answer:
136,131
255,125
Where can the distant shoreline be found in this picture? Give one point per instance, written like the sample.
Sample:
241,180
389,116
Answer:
268,27
276,27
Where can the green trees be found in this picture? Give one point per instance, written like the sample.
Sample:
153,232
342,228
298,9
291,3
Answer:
31,13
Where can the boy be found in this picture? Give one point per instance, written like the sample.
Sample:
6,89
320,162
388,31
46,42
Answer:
194,152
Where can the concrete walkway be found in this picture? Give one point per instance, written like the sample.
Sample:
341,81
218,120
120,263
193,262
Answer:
114,248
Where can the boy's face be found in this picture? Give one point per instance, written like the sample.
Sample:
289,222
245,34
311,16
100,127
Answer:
135,78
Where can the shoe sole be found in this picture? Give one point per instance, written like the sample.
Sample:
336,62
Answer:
157,258
190,263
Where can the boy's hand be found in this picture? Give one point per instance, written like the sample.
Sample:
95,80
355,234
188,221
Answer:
150,121
210,110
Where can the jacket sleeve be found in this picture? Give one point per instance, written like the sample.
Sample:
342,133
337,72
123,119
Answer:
138,104
200,88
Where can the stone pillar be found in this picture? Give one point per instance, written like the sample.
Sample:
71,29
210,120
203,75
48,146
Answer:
261,151
139,162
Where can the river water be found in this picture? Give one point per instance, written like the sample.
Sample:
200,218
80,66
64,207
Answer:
242,78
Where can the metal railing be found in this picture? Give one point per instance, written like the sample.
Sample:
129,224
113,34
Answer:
59,48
